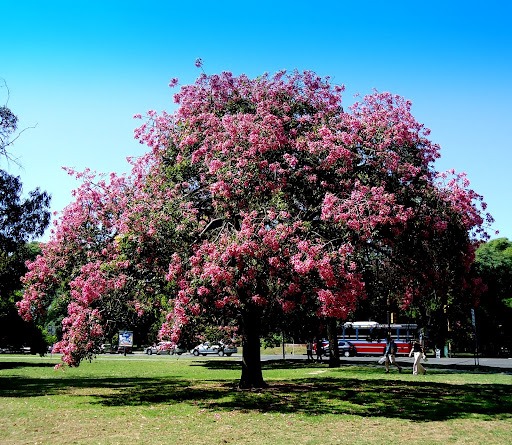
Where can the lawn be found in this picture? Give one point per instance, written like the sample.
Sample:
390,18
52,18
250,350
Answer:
169,400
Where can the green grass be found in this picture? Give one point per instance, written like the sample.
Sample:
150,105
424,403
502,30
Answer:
165,400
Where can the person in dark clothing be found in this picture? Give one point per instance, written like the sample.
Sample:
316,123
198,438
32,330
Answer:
389,354
309,350
319,350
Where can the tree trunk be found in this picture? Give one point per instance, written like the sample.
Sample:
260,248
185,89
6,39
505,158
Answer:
334,353
252,376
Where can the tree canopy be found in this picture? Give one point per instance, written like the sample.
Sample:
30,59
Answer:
8,126
22,219
260,201
493,264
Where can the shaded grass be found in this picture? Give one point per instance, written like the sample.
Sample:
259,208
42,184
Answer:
99,400
425,401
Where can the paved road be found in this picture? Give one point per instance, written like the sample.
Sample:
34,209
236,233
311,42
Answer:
468,363
455,363
452,362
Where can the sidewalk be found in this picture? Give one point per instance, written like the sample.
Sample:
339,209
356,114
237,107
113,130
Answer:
469,363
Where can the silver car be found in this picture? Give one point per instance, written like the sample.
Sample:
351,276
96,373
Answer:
220,349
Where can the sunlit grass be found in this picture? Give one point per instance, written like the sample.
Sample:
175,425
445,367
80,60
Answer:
187,401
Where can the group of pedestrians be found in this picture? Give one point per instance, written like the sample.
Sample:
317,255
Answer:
390,356
388,359
319,347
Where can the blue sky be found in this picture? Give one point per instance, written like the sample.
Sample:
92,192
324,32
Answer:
78,71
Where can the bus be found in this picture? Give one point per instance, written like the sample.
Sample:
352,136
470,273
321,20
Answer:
369,337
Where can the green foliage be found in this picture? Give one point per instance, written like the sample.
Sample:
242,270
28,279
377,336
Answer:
12,268
493,265
14,331
21,220
8,126
271,341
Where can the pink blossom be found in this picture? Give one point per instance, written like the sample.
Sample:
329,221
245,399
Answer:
258,196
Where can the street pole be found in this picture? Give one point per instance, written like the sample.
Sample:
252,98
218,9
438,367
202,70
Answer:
473,321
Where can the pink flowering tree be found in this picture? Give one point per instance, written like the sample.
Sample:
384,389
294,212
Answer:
263,199
81,278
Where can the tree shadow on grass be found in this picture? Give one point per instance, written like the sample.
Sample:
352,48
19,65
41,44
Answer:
127,388
418,401
219,364
369,398
378,397
14,365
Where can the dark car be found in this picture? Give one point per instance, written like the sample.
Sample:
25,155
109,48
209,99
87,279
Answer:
325,347
346,348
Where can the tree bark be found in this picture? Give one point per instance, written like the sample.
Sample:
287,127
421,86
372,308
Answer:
334,353
252,375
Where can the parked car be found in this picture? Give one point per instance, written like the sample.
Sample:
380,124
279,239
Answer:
150,350
220,349
325,347
178,349
345,348
164,348
106,348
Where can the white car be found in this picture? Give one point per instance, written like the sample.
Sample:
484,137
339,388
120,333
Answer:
164,347
221,349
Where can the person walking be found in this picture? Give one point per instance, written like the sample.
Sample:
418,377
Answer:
417,350
389,354
319,350
309,350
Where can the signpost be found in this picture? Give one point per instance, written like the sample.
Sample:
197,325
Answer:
473,322
125,340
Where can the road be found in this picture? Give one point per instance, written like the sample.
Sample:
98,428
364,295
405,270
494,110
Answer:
455,363
452,362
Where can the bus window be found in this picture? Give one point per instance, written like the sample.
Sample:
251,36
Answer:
369,337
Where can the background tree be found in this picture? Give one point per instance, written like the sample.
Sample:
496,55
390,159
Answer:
22,219
83,281
493,265
14,332
8,126
262,200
